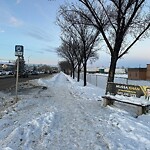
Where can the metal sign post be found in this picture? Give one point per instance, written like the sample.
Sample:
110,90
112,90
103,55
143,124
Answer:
17,79
19,53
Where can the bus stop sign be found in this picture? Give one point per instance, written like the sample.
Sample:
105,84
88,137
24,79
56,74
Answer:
18,50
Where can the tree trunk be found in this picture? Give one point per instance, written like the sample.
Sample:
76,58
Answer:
73,73
85,65
112,68
78,78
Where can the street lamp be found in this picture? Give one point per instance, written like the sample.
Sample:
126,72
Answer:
28,62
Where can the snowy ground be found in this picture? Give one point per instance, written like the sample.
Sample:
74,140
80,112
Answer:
60,114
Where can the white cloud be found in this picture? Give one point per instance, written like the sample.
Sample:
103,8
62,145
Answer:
18,1
15,22
8,19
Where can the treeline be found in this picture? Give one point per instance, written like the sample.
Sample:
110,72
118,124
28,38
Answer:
88,25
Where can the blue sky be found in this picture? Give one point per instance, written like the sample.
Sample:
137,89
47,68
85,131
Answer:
31,23
138,56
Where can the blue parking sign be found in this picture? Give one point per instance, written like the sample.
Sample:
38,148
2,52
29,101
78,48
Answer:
18,50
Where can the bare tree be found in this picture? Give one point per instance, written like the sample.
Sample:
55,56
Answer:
65,66
121,22
70,39
66,51
87,35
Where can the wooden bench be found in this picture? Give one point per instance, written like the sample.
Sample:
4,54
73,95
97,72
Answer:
141,108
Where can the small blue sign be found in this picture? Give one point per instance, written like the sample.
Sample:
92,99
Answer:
18,50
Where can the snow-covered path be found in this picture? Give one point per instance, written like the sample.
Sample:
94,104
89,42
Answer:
66,116
75,125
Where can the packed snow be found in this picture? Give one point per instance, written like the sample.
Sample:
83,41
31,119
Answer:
58,113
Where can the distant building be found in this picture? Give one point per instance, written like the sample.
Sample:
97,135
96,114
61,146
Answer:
106,70
117,70
148,72
93,70
7,65
139,73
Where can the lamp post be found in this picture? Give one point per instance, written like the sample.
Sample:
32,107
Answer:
28,62
28,59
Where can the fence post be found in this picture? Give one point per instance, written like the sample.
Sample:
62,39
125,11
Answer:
89,78
127,81
96,80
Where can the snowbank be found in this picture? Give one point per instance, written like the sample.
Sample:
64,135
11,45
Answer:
67,116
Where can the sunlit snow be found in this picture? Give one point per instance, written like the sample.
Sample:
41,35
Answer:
59,113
